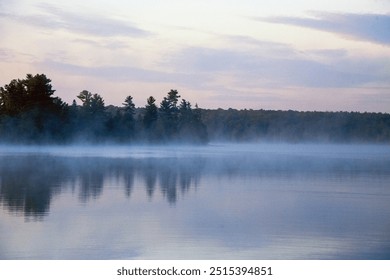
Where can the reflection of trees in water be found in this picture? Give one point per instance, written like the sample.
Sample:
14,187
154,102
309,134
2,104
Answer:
149,173
129,181
91,183
28,183
182,173
168,180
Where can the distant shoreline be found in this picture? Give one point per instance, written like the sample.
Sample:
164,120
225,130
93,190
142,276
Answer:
30,114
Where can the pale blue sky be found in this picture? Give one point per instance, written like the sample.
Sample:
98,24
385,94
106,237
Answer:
301,55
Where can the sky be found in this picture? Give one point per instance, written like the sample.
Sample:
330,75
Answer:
323,55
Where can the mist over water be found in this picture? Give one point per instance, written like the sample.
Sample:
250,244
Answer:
220,201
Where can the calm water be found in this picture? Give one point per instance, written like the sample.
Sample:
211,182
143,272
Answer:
215,202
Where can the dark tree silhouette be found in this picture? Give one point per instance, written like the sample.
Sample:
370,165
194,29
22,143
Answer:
92,117
151,113
129,106
30,113
169,113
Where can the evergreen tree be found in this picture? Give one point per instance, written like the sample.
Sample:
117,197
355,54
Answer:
34,92
128,121
97,104
173,98
191,127
93,118
86,98
151,113
169,114
129,107
28,111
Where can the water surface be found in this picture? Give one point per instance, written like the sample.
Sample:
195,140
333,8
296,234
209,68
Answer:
221,201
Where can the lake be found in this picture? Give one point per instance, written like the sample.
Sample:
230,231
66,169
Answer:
220,201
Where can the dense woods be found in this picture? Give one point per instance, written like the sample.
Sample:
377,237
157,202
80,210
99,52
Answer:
294,126
29,113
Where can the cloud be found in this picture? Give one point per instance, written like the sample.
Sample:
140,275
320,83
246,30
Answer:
54,18
267,69
12,56
93,24
330,53
367,27
6,55
113,73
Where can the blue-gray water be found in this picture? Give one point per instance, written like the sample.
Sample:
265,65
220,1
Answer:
221,201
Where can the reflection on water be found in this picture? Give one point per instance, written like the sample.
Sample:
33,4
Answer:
226,202
29,182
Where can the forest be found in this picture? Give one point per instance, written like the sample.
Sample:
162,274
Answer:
31,114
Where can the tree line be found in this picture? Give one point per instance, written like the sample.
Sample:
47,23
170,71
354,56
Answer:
30,113
293,126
